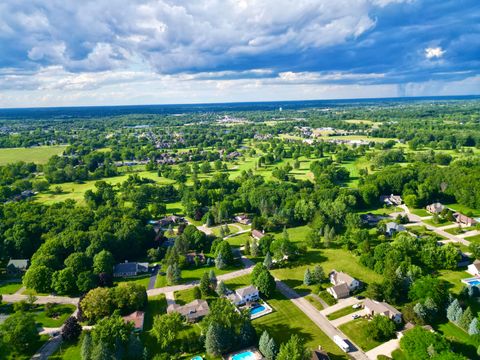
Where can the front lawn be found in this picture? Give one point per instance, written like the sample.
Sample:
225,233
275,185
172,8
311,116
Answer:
474,238
314,301
68,350
239,240
420,212
10,287
60,314
439,224
462,343
356,330
342,312
464,209
142,279
454,278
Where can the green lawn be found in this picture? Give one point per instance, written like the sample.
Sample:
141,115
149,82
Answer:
440,224
10,288
68,351
312,300
420,212
140,279
328,259
239,240
296,234
216,230
342,312
464,209
357,332
454,277
474,238
462,343
38,155
62,313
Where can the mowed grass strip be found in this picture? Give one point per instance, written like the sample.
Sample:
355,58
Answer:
37,155
357,331
10,288
342,312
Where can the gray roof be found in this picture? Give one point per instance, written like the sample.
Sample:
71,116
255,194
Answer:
131,267
247,291
381,308
193,310
342,290
394,226
18,263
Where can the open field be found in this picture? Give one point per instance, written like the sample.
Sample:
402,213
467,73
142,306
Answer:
37,155
10,288
356,330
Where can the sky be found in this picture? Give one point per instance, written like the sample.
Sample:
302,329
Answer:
128,52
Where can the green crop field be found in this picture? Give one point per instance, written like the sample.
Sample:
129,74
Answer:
38,155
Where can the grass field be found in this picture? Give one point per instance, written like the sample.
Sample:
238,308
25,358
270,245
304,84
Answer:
340,313
420,212
454,278
474,238
356,330
63,312
140,279
239,240
68,351
38,155
10,288
462,343
464,209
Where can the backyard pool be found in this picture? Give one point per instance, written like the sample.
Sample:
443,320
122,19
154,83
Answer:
472,281
257,309
246,355
197,358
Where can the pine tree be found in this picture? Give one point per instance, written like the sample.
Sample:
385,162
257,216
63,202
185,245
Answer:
205,284
263,342
227,230
254,248
307,278
222,232
473,327
87,346
213,342
101,352
134,347
267,262
285,235
420,310
248,336
219,262
246,249
452,310
213,279
221,288
272,350
318,274
466,319
458,316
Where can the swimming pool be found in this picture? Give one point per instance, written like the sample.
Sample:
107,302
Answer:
472,281
257,309
247,355
197,358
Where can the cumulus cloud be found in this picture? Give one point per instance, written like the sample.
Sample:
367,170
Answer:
434,52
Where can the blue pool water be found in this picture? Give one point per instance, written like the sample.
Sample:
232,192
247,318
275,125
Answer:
257,310
247,355
197,358
474,282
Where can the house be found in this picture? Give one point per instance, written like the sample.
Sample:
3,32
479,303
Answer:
392,228
320,354
190,257
244,295
339,277
17,266
371,219
435,208
474,268
373,307
243,219
171,220
137,317
339,291
129,269
193,311
391,200
257,234
464,219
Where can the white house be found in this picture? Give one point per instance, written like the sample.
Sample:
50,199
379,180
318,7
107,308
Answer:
244,295
373,307
339,291
391,200
339,277
435,208
392,228
474,268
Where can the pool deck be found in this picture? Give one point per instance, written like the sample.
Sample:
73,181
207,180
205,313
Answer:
468,281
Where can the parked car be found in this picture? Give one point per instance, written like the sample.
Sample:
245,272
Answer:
355,316
356,306
359,297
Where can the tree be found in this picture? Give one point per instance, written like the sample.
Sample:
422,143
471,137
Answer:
452,310
293,349
100,351
86,351
381,328
213,278
197,293
64,281
112,331
39,278
219,262
221,288
272,350
265,283
318,275
214,342
267,262
225,250
71,329
97,304
473,327
247,335
205,284
254,248
429,287
129,296
103,262
417,344
307,277
173,274
466,319
19,331
86,281
263,342
166,328
135,349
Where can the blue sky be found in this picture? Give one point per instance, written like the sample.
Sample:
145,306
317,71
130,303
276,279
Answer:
69,52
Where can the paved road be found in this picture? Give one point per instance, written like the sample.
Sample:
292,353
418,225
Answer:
42,299
320,320
384,349
153,278
48,349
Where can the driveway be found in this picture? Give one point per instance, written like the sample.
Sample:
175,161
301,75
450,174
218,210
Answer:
347,318
384,349
153,278
342,303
